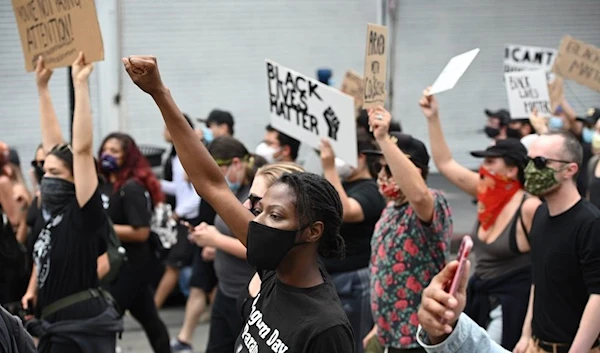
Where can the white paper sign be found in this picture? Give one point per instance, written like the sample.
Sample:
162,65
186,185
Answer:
527,90
525,58
308,111
453,71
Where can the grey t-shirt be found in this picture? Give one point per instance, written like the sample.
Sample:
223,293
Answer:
232,272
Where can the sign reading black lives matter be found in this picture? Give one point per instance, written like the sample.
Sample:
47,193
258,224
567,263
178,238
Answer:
375,73
525,58
308,111
527,90
58,30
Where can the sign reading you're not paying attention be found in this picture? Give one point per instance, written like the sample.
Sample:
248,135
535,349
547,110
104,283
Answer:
58,30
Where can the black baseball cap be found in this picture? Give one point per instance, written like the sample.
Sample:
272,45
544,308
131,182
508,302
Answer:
511,148
414,149
502,114
219,117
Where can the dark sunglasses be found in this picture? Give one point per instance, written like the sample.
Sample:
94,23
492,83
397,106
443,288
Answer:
542,162
61,148
253,203
378,166
39,164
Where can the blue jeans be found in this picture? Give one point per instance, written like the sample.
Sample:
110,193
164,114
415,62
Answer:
353,288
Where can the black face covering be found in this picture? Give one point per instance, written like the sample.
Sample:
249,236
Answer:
513,133
267,246
56,194
491,132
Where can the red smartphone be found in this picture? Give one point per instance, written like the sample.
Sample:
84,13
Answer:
463,254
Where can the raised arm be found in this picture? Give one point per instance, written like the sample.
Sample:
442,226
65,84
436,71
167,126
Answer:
203,171
465,179
51,134
406,175
84,168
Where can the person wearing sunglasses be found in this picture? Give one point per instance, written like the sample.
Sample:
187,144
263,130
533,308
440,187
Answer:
565,300
232,270
74,315
297,308
500,287
411,239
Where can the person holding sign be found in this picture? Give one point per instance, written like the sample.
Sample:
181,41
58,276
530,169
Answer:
499,289
362,204
75,316
297,308
411,239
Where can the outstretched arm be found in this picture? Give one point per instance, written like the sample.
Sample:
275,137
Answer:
203,172
84,169
463,178
51,135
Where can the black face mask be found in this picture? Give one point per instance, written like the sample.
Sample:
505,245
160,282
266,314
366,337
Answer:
491,132
39,173
56,194
513,133
267,246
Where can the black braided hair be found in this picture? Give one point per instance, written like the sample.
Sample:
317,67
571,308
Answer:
317,200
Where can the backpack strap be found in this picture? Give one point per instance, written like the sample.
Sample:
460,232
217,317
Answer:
75,298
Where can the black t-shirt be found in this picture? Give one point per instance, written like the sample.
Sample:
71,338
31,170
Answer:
130,205
66,250
358,235
582,182
295,320
566,269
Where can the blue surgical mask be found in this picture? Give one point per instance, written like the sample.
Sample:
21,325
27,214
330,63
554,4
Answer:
108,163
587,135
234,187
208,135
555,123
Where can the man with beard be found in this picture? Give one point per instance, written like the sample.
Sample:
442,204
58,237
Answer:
565,300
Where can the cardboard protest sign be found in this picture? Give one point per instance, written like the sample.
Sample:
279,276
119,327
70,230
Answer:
524,58
375,66
352,85
308,111
453,71
527,90
556,89
579,62
58,30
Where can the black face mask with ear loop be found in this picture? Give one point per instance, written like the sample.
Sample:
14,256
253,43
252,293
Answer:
267,246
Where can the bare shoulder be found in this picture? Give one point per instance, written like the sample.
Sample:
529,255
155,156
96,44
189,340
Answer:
530,206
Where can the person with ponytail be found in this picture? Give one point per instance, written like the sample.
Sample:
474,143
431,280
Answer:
130,193
298,219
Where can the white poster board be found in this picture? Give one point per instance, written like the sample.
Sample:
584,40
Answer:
453,71
308,111
524,58
527,90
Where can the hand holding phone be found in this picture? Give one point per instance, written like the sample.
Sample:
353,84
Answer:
463,254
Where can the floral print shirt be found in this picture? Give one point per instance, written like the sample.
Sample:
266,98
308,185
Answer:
405,254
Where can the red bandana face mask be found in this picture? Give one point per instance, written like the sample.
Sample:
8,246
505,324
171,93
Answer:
389,189
493,193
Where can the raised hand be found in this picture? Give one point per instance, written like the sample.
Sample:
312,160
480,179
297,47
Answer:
80,70
429,105
143,70
379,121
327,155
42,74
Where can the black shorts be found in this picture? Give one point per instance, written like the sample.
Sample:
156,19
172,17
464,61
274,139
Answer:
182,253
203,273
